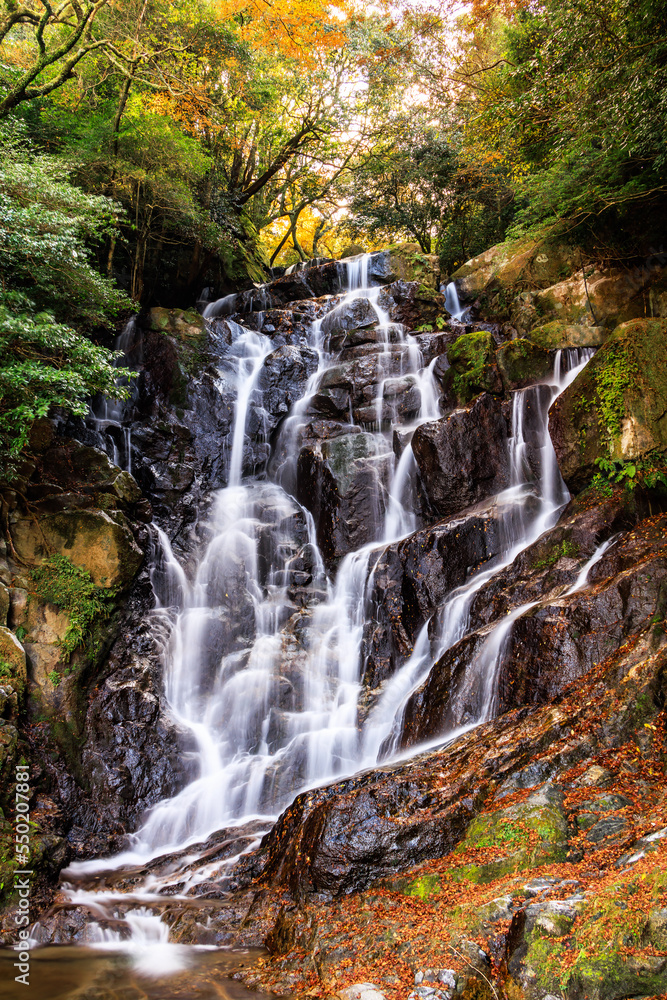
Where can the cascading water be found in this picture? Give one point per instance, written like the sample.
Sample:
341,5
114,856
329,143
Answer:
522,522
108,417
267,721
452,304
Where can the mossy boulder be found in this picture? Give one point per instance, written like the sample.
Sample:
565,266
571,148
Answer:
616,407
405,262
13,670
103,546
522,836
596,298
351,250
521,363
611,942
513,266
186,324
555,336
473,368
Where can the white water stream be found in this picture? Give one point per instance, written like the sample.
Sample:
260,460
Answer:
108,416
268,721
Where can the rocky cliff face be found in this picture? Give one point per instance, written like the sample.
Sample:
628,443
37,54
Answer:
494,862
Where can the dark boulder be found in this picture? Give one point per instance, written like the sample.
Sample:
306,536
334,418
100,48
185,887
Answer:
283,380
342,482
413,578
463,457
550,645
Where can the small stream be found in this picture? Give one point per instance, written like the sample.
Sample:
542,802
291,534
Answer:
71,973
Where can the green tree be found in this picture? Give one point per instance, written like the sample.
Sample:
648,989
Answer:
49,283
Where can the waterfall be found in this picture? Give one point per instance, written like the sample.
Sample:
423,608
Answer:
268,717
522,523
108,415
452,304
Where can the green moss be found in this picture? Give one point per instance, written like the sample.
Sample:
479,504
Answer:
543,958
490,831
524,836
424,887
611,382
70,588
473,370
522,363
566,549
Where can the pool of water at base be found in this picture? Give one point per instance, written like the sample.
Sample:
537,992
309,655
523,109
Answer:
75,973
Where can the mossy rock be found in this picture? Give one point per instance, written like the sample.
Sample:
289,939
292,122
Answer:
351,250
473,369
525,836
186,324
408,262
515,265
556,336
615,408
13,669
126,488
606,953
90,538
425,887
521,363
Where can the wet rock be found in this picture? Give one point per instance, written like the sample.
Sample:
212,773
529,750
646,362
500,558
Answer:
626,393
472,369
463,457
435,345
413,577
351,322
283,380
283,326
552,563
343,837
547,647
521,363
561,336
354,385
341,481
325,279
132,754
412,304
